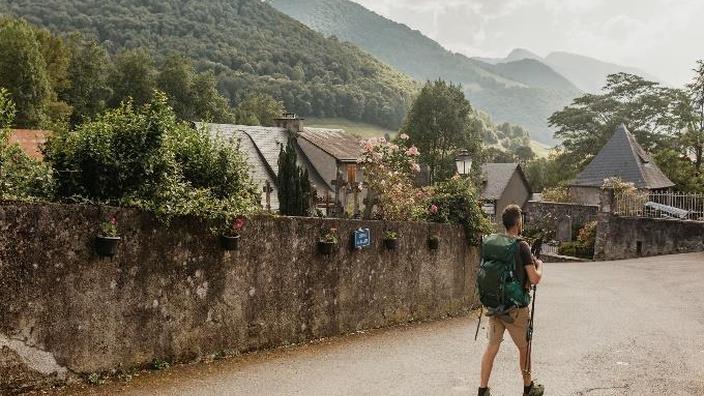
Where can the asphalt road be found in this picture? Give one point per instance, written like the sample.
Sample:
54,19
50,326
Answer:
615,328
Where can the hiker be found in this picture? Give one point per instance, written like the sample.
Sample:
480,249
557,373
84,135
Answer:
504,281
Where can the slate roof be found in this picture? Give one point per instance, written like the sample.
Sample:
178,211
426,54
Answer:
497,177
262,146
342,146
623,157
31,141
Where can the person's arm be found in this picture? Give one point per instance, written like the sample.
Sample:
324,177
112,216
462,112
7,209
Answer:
535,271
533,265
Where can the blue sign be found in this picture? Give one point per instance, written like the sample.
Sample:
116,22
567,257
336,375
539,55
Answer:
362,238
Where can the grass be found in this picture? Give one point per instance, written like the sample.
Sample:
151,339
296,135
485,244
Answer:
357,128
541,150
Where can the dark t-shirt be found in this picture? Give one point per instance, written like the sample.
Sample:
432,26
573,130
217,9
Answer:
524,257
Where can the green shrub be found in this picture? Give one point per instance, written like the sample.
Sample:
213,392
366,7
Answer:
557,194
455,202
146,158
576,249
21,177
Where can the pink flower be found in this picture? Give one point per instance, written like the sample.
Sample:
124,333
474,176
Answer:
403,136
239,223
415,167
413,152
113,220
433,209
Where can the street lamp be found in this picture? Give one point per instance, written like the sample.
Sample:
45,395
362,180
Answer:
463,163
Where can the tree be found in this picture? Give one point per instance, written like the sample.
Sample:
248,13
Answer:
294,189
23,72
88,92
496,155
209,104
693,137
260,109
133,77
656,115
524,154
440,123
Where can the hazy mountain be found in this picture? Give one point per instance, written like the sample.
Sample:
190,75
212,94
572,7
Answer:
589,74
250,46
524,93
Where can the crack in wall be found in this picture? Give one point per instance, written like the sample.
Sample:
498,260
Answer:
34,358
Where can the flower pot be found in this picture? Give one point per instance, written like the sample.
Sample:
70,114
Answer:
106,246
327,248
433,243
391,244
230,243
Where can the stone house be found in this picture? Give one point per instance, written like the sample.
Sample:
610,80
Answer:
621,157
503,185
330,156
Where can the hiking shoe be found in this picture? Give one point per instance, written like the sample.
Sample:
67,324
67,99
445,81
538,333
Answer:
483,392
535,390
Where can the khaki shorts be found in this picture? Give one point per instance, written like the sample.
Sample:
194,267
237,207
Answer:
518,330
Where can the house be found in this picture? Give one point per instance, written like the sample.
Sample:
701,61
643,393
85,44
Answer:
330,156
31,141
503,185
621,157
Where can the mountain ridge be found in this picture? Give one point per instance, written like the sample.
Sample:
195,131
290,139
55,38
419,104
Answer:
496,90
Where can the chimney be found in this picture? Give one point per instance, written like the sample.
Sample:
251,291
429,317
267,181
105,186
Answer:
290,122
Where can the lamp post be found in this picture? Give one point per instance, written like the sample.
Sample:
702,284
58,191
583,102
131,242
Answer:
463,162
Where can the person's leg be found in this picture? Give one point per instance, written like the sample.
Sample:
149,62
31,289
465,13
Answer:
518,331
523,354
495,334
488,364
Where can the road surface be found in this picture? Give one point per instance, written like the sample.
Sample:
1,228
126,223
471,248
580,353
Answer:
614,328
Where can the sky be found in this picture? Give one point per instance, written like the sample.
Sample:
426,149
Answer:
663,37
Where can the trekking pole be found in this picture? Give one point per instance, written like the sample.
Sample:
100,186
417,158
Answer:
529,335
479,322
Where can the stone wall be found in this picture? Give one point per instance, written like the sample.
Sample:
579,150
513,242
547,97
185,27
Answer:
171,293
631,237
565,217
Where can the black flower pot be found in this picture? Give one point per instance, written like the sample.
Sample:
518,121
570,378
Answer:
106,246
327,248
433,243
230,243
391,244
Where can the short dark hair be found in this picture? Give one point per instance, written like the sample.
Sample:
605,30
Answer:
512,216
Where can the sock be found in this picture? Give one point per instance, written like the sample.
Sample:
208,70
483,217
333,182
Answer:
527,388
482,391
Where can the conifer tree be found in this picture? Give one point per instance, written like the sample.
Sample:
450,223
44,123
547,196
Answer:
294,189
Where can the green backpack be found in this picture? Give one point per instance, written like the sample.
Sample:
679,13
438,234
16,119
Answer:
498,284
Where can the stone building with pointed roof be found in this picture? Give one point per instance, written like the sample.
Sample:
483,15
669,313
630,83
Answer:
330,155
503,185
621,157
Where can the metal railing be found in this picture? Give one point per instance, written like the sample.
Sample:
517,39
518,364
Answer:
668,205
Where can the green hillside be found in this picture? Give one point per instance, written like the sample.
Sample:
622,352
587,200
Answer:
523,93
251,48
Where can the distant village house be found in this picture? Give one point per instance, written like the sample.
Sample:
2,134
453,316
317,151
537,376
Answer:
330,156
503,185
621,157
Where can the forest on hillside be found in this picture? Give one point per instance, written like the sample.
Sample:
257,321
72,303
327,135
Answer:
522,93
247,45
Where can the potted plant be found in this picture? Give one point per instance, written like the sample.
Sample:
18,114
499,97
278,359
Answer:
390,240
106,242
433,242
327,244
230,239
